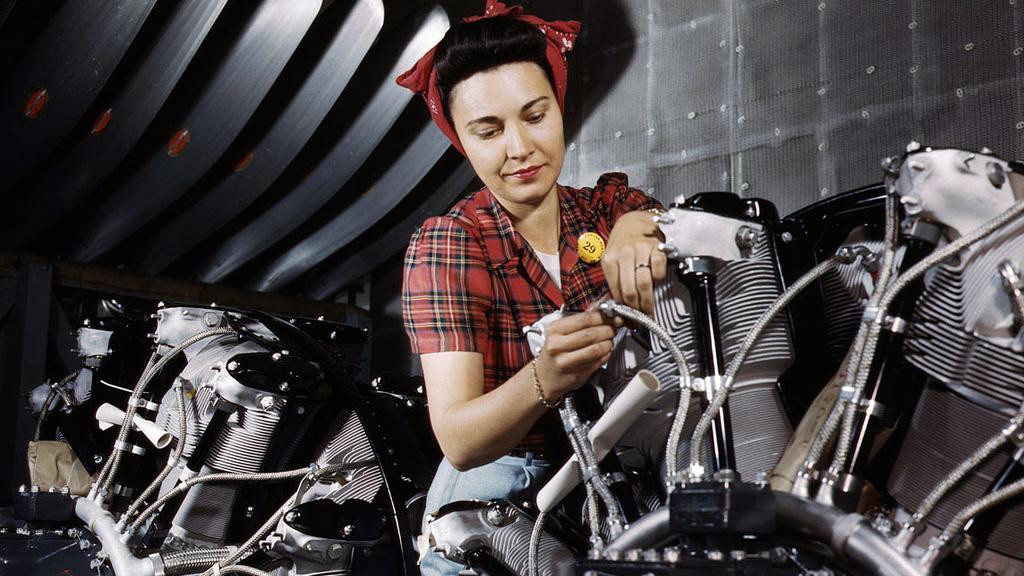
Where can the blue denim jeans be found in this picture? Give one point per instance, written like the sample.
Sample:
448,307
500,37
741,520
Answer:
505,476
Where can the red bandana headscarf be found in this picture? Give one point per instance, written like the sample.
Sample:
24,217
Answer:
422,78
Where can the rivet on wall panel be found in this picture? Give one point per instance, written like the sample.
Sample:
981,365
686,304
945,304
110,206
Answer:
824,192
969,46
865,114
871,69
821,6
618,133
723,107
745,186
741,119
822,146
721,44
691,114
739,48
914,69
1017,51
1020,125
650,131
683,153
778,131
572,145
822,91
725,176
912,25
959,92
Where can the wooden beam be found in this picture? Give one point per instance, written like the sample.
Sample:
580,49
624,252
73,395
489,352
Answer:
177,291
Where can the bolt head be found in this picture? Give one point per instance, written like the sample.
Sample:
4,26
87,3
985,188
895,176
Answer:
266,402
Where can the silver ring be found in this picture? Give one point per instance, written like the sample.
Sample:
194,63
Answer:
643,265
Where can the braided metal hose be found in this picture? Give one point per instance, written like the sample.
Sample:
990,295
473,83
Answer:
940,543
584,451
685,385
906,535
191,561
43,412
729,381
861,360
901,283
133,406
96,493
171,462
822,438
538,529
248,547
216,477
241,569
56,389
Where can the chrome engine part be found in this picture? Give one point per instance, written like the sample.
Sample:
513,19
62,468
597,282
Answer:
875,342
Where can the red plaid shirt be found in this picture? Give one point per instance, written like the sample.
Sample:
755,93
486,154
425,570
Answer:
472,283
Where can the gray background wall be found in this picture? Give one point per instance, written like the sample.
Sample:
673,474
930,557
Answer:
790,100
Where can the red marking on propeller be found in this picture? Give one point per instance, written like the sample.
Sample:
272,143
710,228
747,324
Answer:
101,122
35,103
178,142
244,161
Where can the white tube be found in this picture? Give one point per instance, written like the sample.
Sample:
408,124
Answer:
101,523
109,415
620,415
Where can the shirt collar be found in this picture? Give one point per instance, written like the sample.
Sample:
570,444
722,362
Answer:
505,247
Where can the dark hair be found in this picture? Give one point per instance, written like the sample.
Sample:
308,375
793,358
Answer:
484,44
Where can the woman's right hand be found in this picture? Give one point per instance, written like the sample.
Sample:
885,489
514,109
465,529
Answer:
574,348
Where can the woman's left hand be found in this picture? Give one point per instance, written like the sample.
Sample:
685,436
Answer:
632,264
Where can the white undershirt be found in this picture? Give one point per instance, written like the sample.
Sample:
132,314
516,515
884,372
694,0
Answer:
552,264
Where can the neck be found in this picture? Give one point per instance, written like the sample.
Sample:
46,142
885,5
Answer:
538,224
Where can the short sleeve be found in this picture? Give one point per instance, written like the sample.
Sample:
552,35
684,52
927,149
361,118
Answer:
612,197
446,289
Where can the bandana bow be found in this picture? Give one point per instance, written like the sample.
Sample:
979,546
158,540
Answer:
560,35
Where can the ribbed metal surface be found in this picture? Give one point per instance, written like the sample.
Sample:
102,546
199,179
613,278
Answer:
205,512
167,416
511,544
761,429
945,430
243,442
960,332
350,445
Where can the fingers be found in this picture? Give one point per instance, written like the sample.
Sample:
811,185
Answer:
645,289
659,266
583,361
561,343
576,322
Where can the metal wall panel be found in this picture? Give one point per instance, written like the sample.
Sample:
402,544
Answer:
793,100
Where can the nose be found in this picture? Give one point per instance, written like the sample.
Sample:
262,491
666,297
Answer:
517,141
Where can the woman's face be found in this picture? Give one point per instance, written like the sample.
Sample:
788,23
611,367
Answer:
510,126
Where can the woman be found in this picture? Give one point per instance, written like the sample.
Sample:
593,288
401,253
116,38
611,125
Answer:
506,256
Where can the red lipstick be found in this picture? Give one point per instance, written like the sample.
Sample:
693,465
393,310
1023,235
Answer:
528,173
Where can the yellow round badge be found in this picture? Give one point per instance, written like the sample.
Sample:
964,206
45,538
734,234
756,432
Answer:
590,247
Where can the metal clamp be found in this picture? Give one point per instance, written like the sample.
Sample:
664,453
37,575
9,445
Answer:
127,447
872,408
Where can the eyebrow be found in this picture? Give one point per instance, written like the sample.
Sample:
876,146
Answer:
496,120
